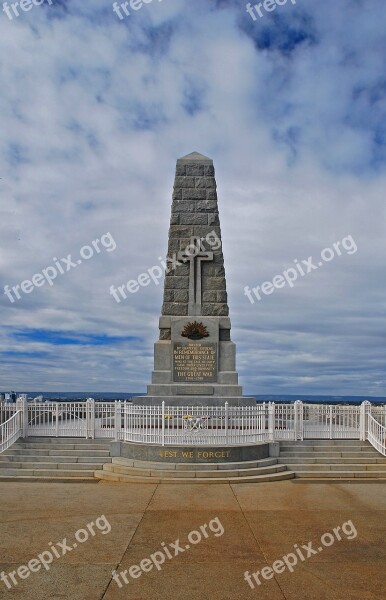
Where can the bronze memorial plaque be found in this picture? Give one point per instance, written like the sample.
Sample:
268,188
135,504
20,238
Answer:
195,362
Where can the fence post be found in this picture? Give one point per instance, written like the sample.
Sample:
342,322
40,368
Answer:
22,404
330,416
117,419
90,418
271,421
365,410
163,423
298,420
57,419
226,422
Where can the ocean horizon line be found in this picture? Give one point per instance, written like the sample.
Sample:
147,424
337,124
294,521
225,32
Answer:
111,396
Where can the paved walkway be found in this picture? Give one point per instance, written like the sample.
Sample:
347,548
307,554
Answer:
260,524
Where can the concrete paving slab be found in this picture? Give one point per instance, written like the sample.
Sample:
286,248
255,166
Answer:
261,523
214,580
196,498
61,582
224,533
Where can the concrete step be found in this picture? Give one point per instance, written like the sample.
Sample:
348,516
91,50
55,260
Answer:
321,449
355,474
336,467
45,446
64,440
314,442
265,462
47,472
355,455
337,460
135,472
44,479
13,451
51,465
115,477
333,460
329,480
52,459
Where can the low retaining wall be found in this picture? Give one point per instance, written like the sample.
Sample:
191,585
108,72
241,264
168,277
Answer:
193,454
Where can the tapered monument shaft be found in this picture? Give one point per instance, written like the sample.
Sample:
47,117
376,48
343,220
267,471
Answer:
195,359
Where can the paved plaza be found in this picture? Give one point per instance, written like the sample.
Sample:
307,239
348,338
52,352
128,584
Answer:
260,524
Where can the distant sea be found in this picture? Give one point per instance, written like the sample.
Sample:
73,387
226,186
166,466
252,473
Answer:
111,396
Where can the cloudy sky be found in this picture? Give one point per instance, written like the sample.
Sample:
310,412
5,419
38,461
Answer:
94,112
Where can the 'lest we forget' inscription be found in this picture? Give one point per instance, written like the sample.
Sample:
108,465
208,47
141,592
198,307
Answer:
195,362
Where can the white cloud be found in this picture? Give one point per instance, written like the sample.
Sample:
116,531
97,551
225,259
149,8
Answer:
94,113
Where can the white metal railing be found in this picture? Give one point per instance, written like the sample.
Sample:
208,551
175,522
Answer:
331,421
377,435
10,430
58,419
196,425
7,410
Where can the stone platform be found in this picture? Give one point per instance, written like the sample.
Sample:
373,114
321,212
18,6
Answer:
144,463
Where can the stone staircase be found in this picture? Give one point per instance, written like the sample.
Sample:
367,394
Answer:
59,460
333,459
80,460
135,471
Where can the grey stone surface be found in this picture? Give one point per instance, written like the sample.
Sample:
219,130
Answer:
227,354
225,335
195,213
161,377
162,356
222,391
195,157
225,323
165,322
228,377
165,334
274,449
191,389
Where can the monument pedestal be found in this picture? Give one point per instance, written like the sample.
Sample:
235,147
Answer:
195,372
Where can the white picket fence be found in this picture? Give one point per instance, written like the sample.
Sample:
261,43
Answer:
193,426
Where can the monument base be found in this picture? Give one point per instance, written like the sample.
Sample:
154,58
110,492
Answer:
191,454
195,372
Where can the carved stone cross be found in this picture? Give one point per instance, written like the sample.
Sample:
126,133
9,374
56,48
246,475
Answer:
195,254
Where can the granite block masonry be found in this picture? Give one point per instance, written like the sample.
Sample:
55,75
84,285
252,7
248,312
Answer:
194,358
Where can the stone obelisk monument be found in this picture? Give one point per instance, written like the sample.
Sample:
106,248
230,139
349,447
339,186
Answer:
194,358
